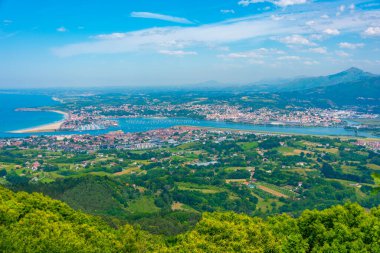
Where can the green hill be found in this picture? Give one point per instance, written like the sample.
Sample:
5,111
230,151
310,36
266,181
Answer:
34,223
304,83
363,93
347,76
92,194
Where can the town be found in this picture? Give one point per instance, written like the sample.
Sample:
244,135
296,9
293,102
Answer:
104,116
134,141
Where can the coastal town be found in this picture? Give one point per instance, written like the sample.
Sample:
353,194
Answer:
225,112
115,140
118,140
102,117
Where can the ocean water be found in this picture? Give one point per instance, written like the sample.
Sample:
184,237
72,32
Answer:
13,120
146,124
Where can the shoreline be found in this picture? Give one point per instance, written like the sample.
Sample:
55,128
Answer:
284,133
46,128
55,127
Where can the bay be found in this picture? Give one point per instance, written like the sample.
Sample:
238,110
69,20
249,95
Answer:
11,120
15,120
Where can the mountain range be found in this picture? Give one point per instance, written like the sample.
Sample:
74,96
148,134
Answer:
352,87
283,85
303,83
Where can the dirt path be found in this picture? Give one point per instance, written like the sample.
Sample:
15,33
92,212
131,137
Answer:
273,192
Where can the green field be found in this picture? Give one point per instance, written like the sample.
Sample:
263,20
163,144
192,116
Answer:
143,205
196,187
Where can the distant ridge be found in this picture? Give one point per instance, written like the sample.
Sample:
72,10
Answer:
361,93
350,88
352,74
349,75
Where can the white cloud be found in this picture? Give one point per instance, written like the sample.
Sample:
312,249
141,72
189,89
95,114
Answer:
331,31
111,36
311,62
342,54
223,49
241,55
61,29
284,3
248,2
215,34
281,3
259,53
8,35
316,36
158,16
341,9
177,52
369,5
7,21
350,45
261,27
296,40
289,57
260,56
318,50
372,31
276,18
231,11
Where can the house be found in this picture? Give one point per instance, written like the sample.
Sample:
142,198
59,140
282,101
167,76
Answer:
36,165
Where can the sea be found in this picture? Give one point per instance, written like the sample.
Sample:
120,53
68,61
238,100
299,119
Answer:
11,120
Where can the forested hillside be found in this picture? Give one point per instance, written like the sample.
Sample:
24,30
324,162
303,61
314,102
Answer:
165,191
361,94
34,223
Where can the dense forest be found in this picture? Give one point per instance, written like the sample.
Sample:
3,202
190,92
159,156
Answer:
166,191
35,223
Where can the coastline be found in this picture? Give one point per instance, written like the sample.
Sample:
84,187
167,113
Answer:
55,127
46,128
284,133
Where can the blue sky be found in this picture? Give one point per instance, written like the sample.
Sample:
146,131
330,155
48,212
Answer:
50,43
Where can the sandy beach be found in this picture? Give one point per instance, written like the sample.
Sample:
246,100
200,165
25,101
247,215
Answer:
52,127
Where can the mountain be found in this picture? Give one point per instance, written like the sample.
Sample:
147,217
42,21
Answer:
349,75
363,93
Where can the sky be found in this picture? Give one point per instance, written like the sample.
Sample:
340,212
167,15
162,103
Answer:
81,43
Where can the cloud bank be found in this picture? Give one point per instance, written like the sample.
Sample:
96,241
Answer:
307,29
158,16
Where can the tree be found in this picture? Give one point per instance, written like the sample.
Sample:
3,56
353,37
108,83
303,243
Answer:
376,177
3,172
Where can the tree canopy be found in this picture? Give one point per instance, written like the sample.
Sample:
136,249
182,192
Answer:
35,223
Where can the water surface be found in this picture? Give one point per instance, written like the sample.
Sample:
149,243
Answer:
11,120
15,120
